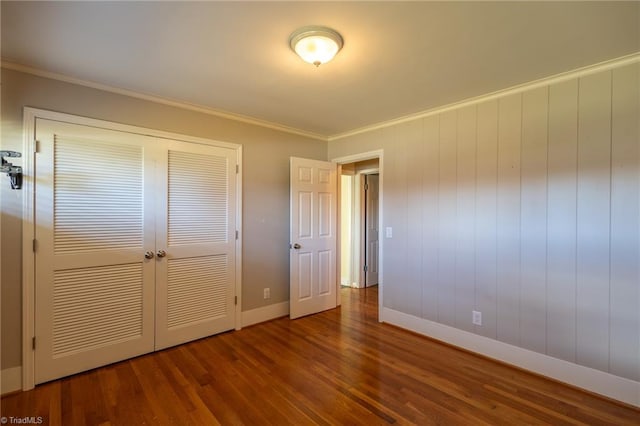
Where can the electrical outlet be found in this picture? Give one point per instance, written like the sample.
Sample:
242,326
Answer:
267,293
477,318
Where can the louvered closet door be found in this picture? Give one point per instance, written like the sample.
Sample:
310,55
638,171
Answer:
196,229
94,221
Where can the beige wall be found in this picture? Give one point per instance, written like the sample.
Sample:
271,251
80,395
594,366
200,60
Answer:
526,208
266,155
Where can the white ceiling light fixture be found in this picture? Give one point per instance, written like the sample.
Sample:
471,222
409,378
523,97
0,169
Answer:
316,45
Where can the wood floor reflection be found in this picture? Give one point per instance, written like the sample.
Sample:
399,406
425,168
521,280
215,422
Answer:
340,367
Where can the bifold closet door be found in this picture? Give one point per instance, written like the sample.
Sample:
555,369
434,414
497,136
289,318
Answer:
135,240
94,299
196,241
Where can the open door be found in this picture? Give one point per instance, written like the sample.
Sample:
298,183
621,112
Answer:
313,237
371,230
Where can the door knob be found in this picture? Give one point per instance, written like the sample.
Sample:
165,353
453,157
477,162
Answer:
297,246
161,253
148,255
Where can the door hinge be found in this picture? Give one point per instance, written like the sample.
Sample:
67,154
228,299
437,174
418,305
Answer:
366,186
33,245
366,268
236,235
236,300
36,146
237,168
33,343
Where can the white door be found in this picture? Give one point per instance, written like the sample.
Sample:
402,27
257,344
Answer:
371,230
313,236
195,239
135,245
94,286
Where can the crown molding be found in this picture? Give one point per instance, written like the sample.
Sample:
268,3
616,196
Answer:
164,101
546,81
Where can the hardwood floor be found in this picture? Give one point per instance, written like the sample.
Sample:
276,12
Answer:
336,368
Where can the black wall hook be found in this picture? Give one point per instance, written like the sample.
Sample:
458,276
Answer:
14,172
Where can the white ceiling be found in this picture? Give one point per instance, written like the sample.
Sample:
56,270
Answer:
398,58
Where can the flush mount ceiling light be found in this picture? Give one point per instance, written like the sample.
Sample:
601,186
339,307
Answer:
316,45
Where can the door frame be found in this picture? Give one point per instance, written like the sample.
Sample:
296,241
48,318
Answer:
29,146
354,158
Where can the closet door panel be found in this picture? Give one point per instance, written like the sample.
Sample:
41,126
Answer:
196,229
94,287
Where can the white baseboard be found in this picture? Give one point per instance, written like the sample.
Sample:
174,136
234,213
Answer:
596,381
265,313
11,380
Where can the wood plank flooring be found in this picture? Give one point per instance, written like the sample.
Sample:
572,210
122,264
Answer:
339,367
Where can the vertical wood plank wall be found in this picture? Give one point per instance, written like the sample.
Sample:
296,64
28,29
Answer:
485,217
561,220
428,187
593,208
526,208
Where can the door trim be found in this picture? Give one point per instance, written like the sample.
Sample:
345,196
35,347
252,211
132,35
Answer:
30,115
369,155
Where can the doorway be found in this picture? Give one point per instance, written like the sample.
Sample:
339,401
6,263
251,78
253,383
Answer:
360,221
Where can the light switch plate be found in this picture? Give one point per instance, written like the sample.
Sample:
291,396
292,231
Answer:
476,317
